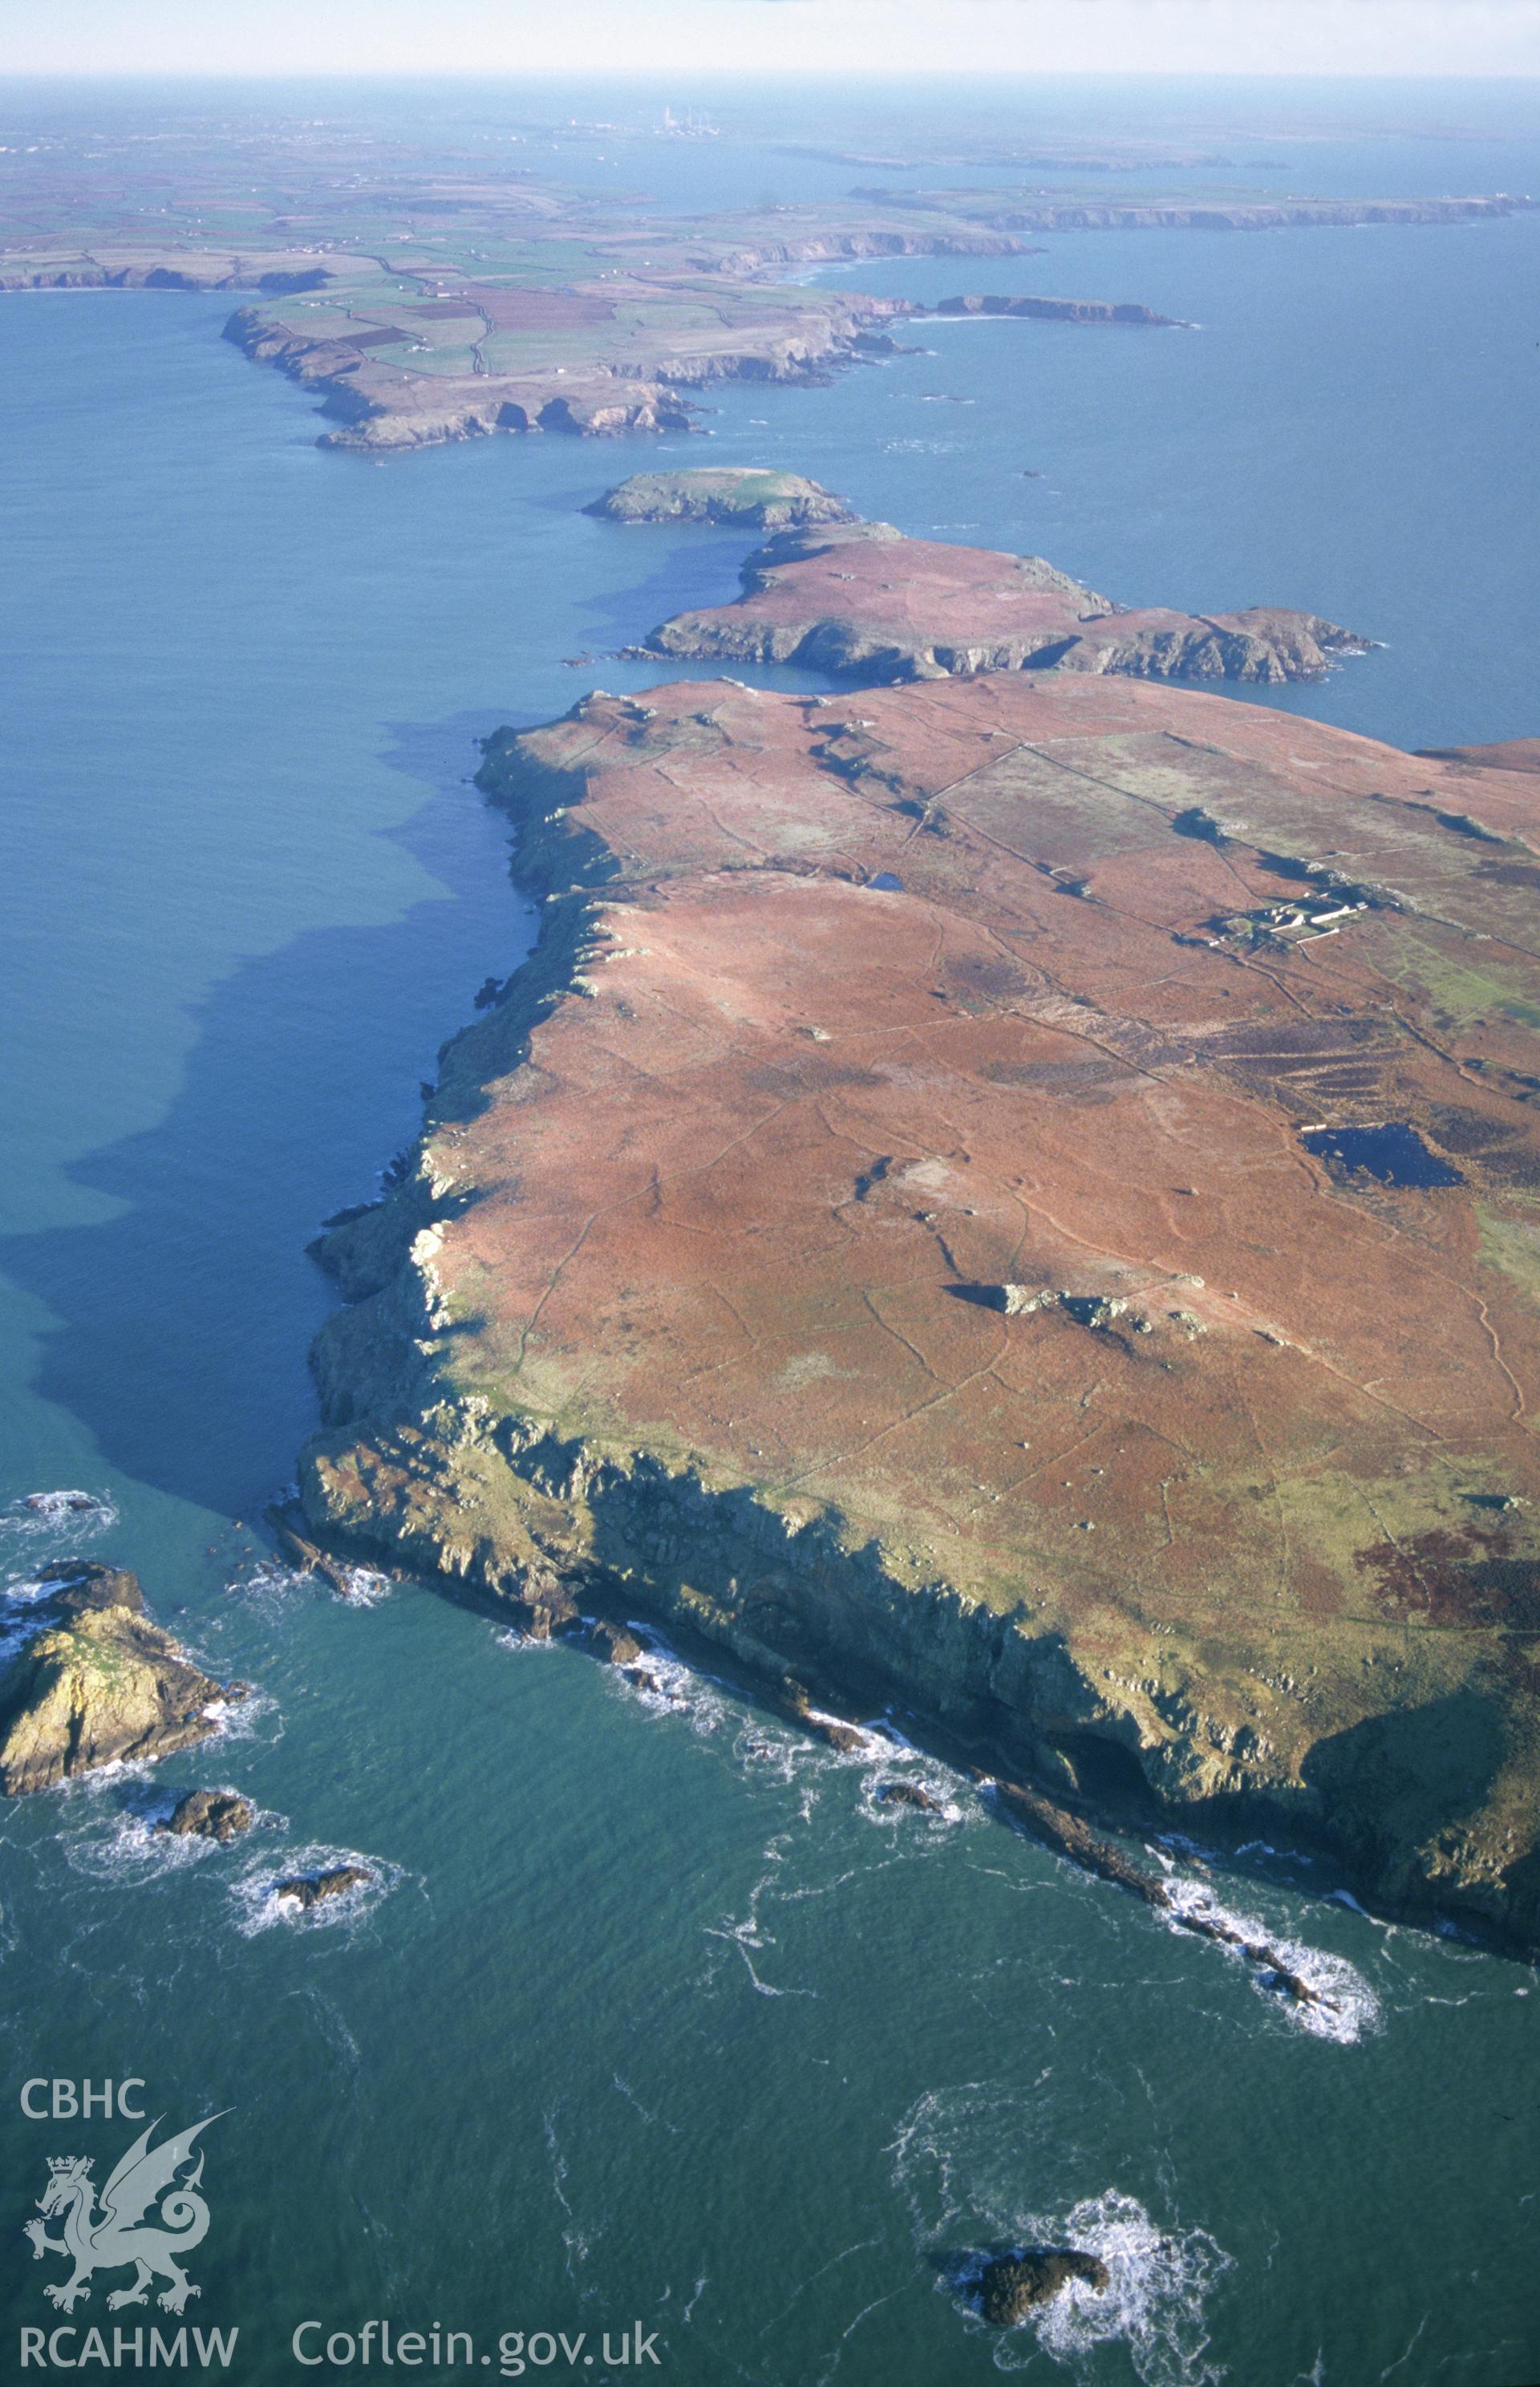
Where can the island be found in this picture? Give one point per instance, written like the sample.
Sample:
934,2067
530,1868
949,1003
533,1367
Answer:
1055,310
861,600
737,497
884,1236
99,1684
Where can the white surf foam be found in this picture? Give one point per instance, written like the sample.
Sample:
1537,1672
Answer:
240,1719
662,1685
19,1619
1158,2282
991,2166
1348,2008
128,1846
259,1908
361,1586
64,1518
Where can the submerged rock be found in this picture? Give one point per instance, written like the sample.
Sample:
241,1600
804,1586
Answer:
101,1682
210,1815
309,1889
1013,2285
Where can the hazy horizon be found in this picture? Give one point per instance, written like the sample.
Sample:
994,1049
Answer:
1426,39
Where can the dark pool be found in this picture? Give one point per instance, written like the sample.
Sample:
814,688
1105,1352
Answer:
1396,1154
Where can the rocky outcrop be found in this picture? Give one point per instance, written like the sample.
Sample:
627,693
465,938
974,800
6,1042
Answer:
210,1815
737,497
308,1891
908,1794
1011,2286
100,1684
615,1645
864,602
1069,1836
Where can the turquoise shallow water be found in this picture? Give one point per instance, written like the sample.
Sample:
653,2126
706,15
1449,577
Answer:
656,2015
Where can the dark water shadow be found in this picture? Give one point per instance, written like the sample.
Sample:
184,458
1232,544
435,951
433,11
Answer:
183,1320
683,567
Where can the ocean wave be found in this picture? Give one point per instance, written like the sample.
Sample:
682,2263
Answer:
663,1684
259,1908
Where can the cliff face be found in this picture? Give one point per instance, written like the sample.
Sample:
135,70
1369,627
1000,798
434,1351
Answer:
878,1233
864,602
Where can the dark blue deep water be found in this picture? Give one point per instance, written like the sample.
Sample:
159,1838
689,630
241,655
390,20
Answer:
656,2015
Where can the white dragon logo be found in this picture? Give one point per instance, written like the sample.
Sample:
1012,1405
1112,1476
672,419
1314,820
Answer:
119,2234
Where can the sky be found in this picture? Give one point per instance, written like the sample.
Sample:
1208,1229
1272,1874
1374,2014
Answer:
518,37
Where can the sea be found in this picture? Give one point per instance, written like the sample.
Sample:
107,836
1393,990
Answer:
656,2030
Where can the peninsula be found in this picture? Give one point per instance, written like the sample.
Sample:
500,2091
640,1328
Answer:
886,1231
449,292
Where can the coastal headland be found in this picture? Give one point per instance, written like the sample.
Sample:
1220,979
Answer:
1008,1199
861,601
